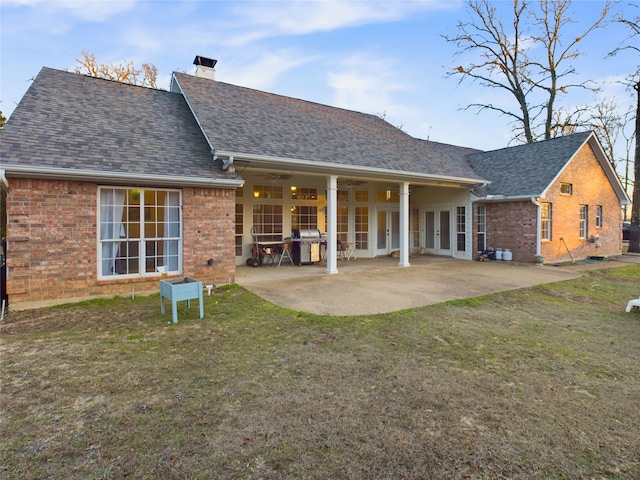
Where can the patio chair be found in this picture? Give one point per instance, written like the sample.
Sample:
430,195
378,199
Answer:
633,304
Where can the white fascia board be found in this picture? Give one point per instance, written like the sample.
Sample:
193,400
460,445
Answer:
506,198
129,178
326,168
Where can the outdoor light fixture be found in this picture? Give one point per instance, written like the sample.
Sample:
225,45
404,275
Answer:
388,193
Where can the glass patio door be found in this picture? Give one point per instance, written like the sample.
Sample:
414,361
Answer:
388,230
438,231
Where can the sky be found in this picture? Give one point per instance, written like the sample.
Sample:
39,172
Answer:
386,58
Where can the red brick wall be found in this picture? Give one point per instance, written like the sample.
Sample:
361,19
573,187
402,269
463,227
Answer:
52,237
510,225
513,224
590,187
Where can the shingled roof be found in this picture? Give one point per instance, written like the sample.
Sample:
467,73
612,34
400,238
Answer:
251,122
526,170
73,125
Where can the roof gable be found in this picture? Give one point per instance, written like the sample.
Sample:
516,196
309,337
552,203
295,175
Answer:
250,122
526,170
69,123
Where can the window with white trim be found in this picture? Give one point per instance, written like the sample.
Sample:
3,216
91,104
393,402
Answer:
461,228
566,188
599,216
482,228
584,221
139,230
545,221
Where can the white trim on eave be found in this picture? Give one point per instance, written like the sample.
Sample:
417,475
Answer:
128,178
327,168
608,169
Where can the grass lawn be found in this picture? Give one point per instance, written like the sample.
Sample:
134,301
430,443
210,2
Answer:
538,383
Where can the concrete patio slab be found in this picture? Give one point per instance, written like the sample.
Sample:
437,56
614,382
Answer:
370,286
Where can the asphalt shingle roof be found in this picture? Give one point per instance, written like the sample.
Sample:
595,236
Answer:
526,170
71,121
248,121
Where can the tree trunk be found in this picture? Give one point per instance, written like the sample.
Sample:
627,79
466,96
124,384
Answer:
634,234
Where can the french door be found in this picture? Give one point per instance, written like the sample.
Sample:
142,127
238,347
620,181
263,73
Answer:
388,230
438,231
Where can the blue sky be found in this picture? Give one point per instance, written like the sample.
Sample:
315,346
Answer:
379,57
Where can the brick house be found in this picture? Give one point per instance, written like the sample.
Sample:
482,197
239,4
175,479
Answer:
108,182
559,199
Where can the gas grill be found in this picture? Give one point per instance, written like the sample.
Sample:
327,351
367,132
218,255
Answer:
305,246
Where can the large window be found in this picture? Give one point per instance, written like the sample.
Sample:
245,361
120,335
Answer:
584,221
482,228
461,229
304,217
545,221
140,230
267,222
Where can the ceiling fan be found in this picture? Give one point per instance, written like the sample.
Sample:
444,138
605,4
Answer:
350,183
274,177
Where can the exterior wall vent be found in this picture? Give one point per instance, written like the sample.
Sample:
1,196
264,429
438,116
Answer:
205,67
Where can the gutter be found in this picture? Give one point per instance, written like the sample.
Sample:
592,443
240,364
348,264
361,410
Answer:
3,179
538,220
130,178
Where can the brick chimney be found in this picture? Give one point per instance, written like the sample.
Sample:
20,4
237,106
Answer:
205,67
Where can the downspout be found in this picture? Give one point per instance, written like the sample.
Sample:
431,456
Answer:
538,220
3,179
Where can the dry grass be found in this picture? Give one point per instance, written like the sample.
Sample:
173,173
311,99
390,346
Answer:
537,383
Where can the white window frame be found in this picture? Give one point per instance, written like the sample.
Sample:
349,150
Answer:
599,213
584,221
461,228
112,233
546,221
482,227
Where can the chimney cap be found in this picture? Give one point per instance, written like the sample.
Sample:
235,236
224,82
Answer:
205,62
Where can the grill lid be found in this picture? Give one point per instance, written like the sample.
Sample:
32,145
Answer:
306,233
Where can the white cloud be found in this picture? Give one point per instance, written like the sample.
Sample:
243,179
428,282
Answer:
365,84
263,73
89,10
258,20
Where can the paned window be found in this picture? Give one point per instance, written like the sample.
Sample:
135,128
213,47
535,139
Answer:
482,228
461,229
267,222
304,217
140,230
304,193
342,224
599,216
584,221
239,228
362,195
268,191
566,188
414,220
362,227
545,221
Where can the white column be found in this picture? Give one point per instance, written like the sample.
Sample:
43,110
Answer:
404,225
332,224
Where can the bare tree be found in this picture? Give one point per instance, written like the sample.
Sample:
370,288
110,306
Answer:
633,83
507,62
124,73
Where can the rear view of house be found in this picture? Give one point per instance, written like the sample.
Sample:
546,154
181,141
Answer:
111,184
